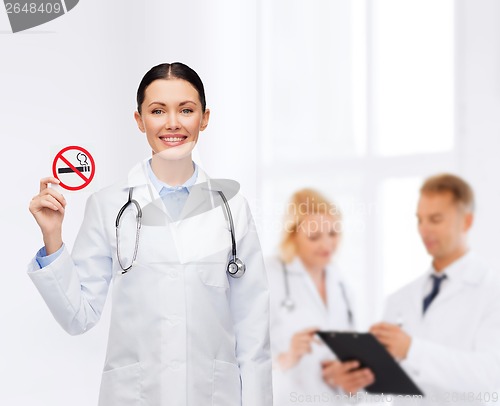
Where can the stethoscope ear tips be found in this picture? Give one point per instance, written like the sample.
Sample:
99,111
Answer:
236,268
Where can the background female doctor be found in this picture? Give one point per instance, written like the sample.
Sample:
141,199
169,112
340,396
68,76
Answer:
307,295
182,331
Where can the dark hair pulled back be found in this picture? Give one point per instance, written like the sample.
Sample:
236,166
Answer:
175,70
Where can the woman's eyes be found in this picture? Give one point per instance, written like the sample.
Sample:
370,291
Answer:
183,111
315,237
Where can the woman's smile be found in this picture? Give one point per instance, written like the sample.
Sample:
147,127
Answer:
173,140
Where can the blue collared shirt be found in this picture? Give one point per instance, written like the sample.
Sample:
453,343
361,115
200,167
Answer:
174,198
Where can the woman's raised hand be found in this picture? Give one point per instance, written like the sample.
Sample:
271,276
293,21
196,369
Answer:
47,207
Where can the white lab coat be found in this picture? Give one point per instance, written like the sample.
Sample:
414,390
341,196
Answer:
182,331
455,346
304,383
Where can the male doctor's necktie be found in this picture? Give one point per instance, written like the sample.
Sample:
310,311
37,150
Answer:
436,284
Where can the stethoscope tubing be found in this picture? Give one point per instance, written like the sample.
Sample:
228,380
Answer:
138,229
235,268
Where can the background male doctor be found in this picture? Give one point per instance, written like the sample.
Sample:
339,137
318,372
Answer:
444,327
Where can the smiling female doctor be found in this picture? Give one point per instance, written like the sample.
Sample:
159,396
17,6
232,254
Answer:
183,330
307,294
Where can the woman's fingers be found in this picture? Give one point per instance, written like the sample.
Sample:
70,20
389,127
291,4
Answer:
356,380
349,366
49,194
302,347
55,194
304,335
309,331
44,182
303,344
306,341
359,379
347,375
57,204
47,200
49,203
318,340
303,339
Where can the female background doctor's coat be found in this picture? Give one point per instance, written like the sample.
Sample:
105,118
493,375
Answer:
182,331
304,383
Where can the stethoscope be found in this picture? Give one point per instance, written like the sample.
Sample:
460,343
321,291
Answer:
289,304
235,267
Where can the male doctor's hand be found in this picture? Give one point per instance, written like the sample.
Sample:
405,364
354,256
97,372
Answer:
347,375
393,338
300,344
47,208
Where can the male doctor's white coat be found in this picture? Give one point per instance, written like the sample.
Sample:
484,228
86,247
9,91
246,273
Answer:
182,331
454,355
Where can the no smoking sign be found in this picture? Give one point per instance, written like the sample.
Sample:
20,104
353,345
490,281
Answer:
74,167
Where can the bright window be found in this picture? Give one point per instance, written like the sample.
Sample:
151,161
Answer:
404,257
413,80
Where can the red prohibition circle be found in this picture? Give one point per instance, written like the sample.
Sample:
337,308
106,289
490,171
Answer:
60,156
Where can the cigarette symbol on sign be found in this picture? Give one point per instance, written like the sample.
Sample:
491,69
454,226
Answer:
82,158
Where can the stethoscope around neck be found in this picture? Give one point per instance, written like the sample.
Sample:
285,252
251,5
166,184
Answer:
289,304
235,267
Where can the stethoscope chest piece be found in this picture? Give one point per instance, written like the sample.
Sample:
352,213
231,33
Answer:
236,268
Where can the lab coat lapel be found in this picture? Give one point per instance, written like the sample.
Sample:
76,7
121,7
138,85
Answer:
460,274
334,297
451,289
153,208
338,300
201,233
150,200
297,266
415,302
197,195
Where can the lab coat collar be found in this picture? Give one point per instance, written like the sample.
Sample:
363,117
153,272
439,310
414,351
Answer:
463,269
160,186
296,267
138,175
146,194
466,270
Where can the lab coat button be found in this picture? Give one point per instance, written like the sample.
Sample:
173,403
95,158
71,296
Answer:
173,274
